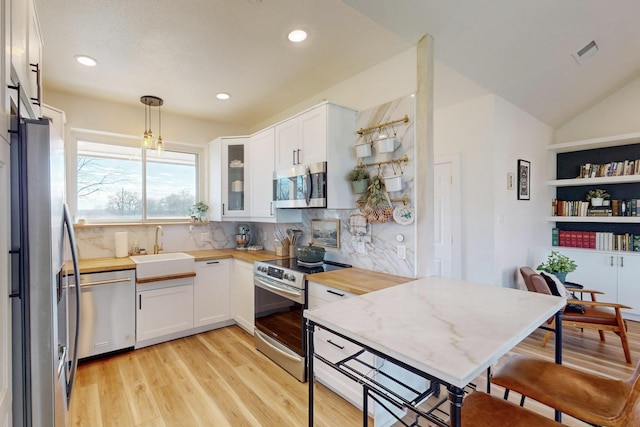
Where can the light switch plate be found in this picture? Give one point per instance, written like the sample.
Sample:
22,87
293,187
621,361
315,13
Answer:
401,251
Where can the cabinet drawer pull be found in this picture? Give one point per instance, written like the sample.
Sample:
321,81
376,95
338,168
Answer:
621,261
213,262
335,293
341,347
612,261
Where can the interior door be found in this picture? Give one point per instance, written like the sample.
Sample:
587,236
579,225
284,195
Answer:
443,236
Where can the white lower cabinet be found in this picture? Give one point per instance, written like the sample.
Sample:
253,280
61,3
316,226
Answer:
334,348
242,295
614,274
163,308
211,293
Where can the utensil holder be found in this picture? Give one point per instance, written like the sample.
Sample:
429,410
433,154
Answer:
282,250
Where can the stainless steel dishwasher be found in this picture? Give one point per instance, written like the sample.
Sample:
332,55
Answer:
107,321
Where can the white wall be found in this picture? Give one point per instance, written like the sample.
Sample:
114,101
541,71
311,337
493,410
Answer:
387,81
615,115
498,231
520,226
466,129
98,115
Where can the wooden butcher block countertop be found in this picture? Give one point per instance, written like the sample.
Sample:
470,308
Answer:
357,280
94,265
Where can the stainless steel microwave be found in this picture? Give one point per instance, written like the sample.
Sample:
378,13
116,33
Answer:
301,186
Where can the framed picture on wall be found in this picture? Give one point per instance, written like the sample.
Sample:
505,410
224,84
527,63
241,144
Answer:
326,233
524,180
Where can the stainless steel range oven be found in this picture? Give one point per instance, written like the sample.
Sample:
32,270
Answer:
280,299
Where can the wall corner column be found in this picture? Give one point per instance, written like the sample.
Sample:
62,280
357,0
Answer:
425,225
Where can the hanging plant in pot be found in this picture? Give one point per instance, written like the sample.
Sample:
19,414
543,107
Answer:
597,196
558,265
359,178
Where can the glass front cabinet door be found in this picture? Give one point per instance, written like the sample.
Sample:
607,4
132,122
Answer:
234,187
228,186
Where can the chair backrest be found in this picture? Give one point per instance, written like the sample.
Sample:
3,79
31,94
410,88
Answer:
534,281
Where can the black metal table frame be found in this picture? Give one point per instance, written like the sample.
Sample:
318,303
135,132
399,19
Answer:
456,394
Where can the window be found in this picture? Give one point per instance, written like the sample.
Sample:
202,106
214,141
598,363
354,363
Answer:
121,183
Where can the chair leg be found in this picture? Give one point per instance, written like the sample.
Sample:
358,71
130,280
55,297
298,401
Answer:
601,332
547,336
625,345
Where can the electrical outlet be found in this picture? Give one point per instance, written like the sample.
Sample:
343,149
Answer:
361,248
204,237
401,251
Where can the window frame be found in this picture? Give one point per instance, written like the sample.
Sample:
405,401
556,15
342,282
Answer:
71,154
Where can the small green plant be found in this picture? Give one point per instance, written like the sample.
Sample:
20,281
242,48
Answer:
198,210
558,263
598,193
358,174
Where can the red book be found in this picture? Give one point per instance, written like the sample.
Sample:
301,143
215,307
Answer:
563,238
573,239
592,240
579,243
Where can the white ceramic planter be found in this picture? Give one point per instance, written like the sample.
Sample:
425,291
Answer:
363,150
386,145
393,182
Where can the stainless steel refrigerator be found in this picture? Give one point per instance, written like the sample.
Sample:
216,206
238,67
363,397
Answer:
42,241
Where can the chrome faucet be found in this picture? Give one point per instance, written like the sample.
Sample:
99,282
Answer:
156,248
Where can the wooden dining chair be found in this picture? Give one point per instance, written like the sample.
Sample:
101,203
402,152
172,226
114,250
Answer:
483,410
591,398
601,316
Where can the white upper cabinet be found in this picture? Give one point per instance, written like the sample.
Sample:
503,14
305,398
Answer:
286,144
261,176
26,48
325,132
261,173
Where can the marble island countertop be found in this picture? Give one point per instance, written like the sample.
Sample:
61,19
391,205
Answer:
450,329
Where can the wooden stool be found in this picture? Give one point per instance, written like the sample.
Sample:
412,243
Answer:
588,397
483,410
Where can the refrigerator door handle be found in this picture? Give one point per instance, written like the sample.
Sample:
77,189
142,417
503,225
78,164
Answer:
76,272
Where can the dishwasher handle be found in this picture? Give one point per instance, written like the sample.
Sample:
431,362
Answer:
101,282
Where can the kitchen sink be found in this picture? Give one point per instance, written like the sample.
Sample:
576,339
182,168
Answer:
163,264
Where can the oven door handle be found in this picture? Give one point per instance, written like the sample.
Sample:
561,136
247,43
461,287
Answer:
263,337
268,286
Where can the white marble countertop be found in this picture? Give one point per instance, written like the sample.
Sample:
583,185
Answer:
450,329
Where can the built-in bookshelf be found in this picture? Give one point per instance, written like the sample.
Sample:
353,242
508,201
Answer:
611,164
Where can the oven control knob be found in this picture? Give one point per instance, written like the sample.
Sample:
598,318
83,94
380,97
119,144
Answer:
292,278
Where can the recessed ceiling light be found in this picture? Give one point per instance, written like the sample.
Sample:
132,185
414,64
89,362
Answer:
223,96
297,36
86,60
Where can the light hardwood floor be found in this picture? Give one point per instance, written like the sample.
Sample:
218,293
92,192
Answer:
219,379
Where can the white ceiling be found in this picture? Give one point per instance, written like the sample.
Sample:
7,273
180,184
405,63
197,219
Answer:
186,51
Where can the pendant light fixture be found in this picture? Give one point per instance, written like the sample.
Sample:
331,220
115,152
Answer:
147,137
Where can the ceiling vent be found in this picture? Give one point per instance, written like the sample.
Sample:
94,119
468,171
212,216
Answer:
586,52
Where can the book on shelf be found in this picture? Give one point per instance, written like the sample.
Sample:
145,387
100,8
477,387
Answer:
599,240
626,167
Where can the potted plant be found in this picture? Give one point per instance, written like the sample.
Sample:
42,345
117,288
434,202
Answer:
199,211
558,265
597,196
359,178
